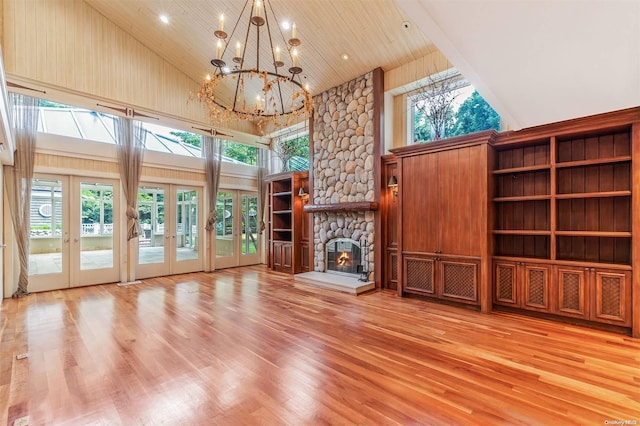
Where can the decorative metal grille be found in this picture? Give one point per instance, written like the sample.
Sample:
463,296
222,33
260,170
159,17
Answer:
536,288
571,291
611,296
505,283
459,281
420,275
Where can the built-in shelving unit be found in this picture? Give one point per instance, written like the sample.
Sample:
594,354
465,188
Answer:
288,237
562,224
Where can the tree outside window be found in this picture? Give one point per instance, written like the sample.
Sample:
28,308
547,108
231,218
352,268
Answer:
448,107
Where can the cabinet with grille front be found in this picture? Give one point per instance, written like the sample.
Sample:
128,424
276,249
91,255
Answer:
445,277
443,235
594,294
523,285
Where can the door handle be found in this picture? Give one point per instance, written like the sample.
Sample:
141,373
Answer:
75,240
66,240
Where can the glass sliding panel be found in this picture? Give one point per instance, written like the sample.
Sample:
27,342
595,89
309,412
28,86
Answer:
187,225
96,228
224,225
45,233
249,224
151,214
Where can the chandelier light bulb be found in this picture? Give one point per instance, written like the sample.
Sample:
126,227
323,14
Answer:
294,57
258,9
278,54
294,30
219,49
238,49
221,22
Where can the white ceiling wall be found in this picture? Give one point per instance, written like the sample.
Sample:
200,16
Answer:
541,61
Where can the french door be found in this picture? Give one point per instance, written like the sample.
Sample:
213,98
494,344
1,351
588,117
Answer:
74,232
171,235
237,239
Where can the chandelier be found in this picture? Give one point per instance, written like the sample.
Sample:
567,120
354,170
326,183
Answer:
254,83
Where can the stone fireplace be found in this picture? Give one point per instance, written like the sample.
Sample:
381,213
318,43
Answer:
344,174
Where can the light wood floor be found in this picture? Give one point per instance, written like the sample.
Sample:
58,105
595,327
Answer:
246,346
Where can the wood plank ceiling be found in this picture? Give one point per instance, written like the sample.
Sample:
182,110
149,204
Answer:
370,32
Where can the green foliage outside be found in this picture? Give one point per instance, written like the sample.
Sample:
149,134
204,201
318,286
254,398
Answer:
188,138
243,153
474,115
240,152
288,149
49,104
95,200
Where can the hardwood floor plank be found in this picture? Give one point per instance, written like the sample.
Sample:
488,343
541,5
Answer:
246,346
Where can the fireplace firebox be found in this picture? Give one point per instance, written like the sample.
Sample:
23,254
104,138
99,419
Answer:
343,256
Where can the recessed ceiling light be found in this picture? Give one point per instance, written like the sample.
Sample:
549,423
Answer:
286,25
345,56
164,19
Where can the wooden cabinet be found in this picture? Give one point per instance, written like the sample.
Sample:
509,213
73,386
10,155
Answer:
282,256
443,244
443,277
288,230
595,294
523,285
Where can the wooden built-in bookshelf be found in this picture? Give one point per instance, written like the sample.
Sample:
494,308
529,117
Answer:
563,224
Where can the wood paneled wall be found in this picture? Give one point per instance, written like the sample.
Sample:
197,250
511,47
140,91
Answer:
412,72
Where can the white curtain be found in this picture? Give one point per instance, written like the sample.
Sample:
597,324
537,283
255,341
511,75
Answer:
130,144
262,186
212,148
18,179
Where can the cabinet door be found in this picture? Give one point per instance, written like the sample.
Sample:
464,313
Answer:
276,255
506,290
611,297
419,275
287,257
462,210
304,260
458,280
572,292
535,287
420,213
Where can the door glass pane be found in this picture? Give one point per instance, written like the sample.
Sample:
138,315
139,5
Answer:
187,225
45,233
96,228
224,226
249,224
152,235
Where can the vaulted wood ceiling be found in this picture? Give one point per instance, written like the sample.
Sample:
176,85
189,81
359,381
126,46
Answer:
535,61
370,32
